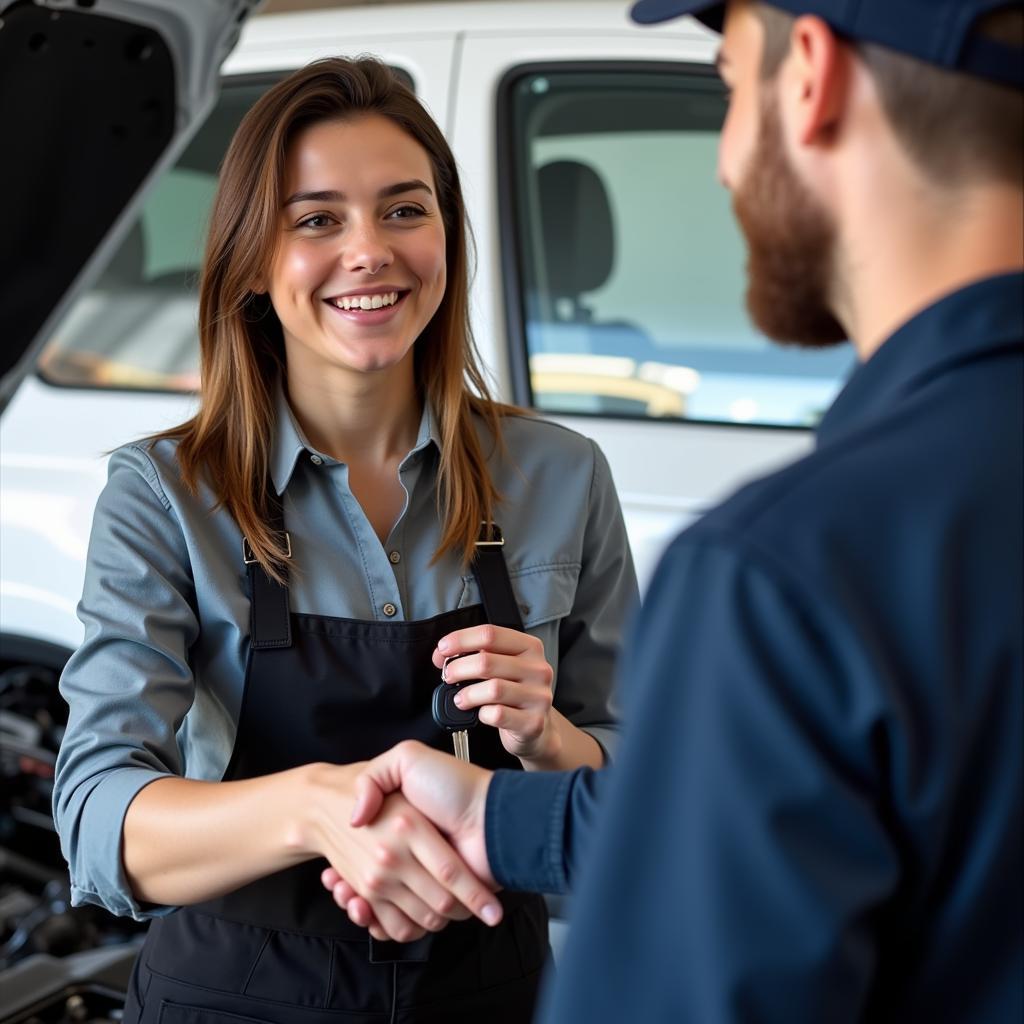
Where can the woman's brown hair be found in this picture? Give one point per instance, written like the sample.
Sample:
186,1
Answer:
228,441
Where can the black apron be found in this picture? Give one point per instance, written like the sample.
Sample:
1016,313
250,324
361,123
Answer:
319,688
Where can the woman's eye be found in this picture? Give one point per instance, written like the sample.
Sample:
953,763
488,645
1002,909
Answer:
316,220
406,212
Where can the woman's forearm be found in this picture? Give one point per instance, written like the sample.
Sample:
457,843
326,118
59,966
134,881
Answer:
186,841
571,748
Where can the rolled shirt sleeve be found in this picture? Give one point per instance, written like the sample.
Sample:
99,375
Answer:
590,637
129,685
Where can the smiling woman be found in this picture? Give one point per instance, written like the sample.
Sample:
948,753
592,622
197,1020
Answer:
272,240
357,275
268,585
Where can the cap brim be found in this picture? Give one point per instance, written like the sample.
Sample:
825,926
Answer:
650,12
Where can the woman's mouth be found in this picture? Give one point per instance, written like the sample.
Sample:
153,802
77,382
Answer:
368,307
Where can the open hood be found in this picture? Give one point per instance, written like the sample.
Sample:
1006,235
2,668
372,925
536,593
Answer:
96,98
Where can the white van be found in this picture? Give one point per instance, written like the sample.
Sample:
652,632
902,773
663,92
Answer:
608,291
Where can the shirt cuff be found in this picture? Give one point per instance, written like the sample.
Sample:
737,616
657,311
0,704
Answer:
607,736
525,826
97,868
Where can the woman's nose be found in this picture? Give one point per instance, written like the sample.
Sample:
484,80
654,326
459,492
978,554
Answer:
366,249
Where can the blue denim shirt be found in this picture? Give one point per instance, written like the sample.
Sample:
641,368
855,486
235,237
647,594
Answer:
156,686
817,813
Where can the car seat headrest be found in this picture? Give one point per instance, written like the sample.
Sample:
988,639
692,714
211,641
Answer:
576,225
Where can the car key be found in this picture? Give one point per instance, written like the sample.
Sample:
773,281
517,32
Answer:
452,718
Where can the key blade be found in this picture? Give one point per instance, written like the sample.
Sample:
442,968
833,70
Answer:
460,741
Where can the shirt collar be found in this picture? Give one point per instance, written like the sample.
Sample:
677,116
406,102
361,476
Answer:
974,321
290,442
429,433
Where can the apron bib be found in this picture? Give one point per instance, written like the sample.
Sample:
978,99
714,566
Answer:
278,950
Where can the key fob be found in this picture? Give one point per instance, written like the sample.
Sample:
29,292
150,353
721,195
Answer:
445,712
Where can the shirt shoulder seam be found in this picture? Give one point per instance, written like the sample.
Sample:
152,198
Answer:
150,474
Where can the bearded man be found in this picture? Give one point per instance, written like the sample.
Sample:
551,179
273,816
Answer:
818,808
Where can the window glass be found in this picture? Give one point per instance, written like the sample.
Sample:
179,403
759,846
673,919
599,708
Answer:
630,262
136,328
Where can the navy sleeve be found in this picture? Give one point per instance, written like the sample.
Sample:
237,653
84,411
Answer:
739,858
538,826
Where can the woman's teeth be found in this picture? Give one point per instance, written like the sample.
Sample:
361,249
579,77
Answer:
366,301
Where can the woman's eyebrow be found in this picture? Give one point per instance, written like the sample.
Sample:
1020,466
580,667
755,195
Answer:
333,196
415,185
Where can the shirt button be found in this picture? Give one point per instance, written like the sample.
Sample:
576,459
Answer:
389,609
395,557
316,460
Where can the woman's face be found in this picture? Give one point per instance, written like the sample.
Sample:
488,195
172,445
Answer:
359,265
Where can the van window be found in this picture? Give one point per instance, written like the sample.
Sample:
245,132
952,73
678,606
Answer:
136,327
624,263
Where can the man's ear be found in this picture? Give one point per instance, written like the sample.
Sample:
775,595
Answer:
817,80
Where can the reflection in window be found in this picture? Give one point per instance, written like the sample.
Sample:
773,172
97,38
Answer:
631,265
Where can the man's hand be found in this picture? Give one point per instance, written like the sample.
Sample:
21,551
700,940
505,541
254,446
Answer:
451,793
400,864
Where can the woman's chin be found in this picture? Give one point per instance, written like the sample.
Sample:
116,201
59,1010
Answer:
370,357
373,361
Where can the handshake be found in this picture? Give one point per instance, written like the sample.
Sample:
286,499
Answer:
420,817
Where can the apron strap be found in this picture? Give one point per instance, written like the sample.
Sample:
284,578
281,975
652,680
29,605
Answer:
270,624
492,579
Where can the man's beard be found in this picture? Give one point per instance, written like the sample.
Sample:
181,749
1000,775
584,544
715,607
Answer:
790,245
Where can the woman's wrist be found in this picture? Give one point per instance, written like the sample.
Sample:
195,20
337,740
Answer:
548,755
567,747
311,797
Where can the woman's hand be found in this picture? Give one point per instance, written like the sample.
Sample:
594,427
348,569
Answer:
451,793
515,690
404,869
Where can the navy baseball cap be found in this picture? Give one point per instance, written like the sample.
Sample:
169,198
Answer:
937,31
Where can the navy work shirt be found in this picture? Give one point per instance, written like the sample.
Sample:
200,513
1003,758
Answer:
817,814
